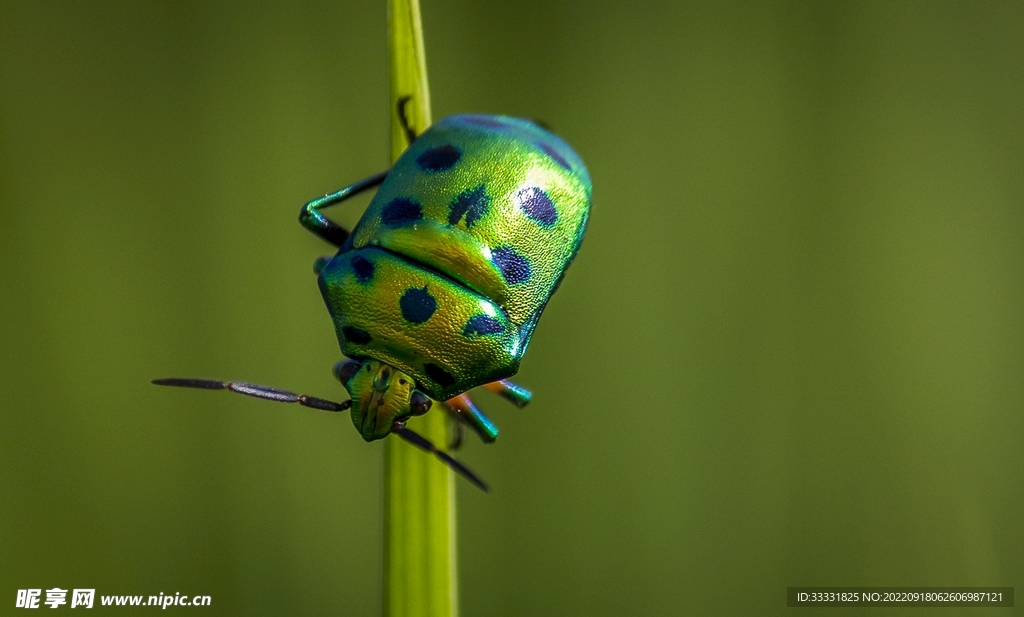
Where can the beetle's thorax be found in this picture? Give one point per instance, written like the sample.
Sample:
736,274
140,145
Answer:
380,395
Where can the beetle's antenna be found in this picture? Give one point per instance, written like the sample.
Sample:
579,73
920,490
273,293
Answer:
398,428
248,389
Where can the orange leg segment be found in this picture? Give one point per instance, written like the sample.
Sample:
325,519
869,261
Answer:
463,406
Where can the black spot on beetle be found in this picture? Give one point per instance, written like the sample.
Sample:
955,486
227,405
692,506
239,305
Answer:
439,158
400,211
472,204
363,268
548,150
439,375
514,267
537,205
482,324
356,335
417,304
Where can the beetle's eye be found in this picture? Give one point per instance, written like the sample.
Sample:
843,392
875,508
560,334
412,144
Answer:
403,382
345,370
419,403
367,368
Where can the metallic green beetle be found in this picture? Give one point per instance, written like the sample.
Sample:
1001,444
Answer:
439,287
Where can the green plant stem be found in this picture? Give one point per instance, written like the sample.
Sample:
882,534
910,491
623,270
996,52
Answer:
419,492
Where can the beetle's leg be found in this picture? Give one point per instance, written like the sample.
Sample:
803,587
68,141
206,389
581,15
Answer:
398,428
248,389
510,391
403,118
472,416
457,431
543,125
328,230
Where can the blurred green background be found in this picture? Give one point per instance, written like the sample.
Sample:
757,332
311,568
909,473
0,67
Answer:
790,352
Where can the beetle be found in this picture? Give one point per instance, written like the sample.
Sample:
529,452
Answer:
438,288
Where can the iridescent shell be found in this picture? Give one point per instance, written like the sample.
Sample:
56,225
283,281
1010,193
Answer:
451,265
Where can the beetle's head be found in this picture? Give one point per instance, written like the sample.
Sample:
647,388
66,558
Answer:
380,395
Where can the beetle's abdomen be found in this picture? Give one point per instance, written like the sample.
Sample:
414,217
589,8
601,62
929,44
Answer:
495,203
448,337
